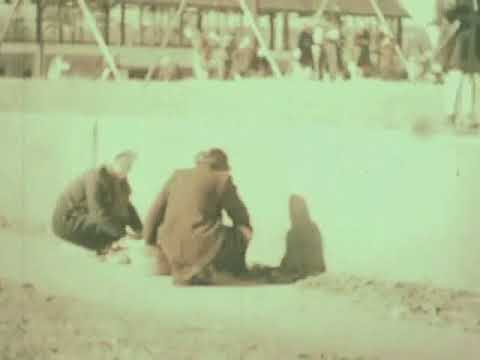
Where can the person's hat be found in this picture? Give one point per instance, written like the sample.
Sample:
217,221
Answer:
215,157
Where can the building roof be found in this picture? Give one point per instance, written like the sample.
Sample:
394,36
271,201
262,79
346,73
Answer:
390,8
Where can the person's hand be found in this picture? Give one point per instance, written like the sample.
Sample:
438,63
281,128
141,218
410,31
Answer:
247,233
134,235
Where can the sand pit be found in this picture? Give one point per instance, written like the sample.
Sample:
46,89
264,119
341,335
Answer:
401,300
97,309
380,175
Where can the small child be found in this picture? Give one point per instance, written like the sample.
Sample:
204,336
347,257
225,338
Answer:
304,253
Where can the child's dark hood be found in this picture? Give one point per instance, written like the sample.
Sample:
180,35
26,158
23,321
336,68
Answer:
299,214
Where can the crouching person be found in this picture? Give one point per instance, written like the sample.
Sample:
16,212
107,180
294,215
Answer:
95,209
185,223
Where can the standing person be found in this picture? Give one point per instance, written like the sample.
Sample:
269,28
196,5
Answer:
349,54
364,60
185,223
387,56
243,54
331,43
201,55
95,209
317,49
462,56
305,44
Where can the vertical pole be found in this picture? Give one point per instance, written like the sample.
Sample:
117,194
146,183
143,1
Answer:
60,21
180,28
41,44
122,23
272,31
286,31
107,23
140,23
199,20
400,32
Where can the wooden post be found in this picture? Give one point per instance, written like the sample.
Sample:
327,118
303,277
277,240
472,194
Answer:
60,21
286,31
140,24
400,32
41,44
122,23
181,25
272,31
107,23
199,20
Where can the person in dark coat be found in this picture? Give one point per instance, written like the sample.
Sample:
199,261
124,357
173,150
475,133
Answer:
185,223
462,51
364,61
95,209
305,44
304,254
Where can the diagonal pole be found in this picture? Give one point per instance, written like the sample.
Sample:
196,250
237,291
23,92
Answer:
8,20
322,8
268,54
382,19
90,20
167,36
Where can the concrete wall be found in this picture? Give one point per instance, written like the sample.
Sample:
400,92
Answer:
389,204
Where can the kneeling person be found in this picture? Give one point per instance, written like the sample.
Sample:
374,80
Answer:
185,222
95,209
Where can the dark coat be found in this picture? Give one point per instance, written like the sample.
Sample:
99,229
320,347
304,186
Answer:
363,40
462,52
304,254
98,198
305,43
186,218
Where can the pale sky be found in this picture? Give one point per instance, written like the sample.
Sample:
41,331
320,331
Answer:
422,11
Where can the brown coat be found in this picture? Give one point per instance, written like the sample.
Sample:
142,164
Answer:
101,198
186,218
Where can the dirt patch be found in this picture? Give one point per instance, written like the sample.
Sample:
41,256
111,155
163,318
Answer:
38,325
402,300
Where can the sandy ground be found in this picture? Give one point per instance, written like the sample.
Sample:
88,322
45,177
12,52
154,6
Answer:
59,302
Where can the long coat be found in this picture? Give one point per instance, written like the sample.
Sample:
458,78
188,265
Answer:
305,43
100,198
186,218
462,52
304,253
